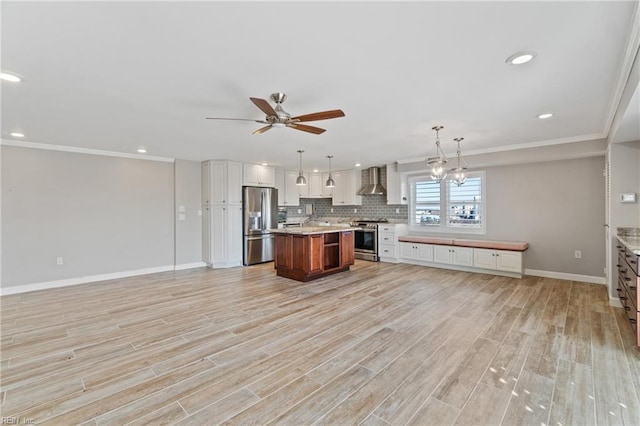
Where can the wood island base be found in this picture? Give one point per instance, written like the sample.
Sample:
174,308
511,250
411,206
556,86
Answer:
306,255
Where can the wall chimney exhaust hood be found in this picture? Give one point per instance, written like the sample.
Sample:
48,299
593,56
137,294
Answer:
374,187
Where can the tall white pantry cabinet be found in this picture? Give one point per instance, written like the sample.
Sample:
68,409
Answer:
222,213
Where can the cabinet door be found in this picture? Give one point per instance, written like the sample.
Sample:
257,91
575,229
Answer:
251,174
303,190
284,251
205,187
424,252
442,254
386,237
218,182
234,182
337,199
234,235
206,234
267,176
346,248
291,192
280,187
315,184
462,256
407,250
509,261
483,258
218,234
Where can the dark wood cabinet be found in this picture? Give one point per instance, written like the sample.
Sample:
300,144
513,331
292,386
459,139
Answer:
305,257
627,287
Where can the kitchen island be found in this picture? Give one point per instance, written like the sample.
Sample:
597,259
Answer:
311,252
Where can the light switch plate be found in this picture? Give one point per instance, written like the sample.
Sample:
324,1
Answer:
182,209
628,197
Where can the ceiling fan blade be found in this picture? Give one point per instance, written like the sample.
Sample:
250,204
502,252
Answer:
236,119
261,130
264,106
324,115
305,128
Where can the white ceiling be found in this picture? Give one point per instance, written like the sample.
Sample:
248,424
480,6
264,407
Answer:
119,75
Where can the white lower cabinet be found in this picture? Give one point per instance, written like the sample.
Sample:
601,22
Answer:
453,255
222,242
416,251
499,260
388,246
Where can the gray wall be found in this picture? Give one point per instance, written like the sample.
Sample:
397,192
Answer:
188,195
557,207
101,214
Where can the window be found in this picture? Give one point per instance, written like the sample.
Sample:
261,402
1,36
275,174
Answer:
446,207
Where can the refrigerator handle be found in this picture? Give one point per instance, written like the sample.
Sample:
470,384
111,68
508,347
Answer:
262,211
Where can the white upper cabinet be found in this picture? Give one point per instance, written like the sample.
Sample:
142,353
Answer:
259,175
396,185
348,183
316,187
221,182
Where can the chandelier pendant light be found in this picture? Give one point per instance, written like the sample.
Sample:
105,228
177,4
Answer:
330,182
438,163
459,173
301,180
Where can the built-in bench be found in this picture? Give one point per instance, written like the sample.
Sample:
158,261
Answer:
497,257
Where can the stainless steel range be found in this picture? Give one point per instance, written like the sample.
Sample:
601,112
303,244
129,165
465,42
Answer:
366,238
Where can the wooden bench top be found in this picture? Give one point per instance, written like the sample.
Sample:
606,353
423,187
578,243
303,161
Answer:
494,245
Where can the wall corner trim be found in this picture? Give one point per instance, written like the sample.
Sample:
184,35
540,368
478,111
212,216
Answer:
566,276
80,150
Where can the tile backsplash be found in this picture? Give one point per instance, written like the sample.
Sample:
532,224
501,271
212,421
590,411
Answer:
373,206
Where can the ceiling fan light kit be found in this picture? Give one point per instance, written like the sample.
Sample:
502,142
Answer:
278,117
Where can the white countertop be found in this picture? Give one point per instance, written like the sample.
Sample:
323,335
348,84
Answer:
632,243
308,230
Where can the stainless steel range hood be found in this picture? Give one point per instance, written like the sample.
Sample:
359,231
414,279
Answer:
374,187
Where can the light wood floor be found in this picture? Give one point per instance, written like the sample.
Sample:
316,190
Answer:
381,344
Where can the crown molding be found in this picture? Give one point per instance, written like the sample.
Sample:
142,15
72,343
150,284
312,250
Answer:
79,150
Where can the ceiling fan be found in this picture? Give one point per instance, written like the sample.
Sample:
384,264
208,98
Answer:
278,117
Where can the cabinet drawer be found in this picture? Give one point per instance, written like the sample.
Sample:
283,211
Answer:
387,250
386,238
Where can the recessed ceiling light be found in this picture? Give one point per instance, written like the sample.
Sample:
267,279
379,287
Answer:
315,170
142,150
265,164
357,165
545,115
10,77
17,135
521,58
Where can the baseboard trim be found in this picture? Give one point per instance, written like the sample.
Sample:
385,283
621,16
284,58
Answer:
565,276
82,280
615,302
189,266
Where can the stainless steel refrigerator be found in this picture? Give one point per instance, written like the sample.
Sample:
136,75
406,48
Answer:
259,216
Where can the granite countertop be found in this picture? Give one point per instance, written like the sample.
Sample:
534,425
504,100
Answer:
308,230
631,242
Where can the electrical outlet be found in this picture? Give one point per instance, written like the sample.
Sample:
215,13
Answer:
578,254
299,211
331,209
397,211
59,261
355,210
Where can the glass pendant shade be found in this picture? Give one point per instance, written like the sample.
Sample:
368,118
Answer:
438,163
330,182
301,180
459,175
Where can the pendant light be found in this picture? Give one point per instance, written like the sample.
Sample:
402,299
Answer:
301,180
330,182
438,162
459,175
